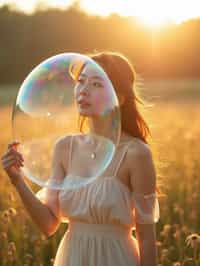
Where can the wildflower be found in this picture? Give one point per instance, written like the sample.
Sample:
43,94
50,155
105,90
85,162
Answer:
5,216
158,243
178,209
12,212
177,263
11,247
11,252
166,228
52,261
10,256
165,251
27,258
193,240
164,254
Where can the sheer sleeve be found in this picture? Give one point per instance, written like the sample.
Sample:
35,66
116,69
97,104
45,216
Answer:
50,198
146,208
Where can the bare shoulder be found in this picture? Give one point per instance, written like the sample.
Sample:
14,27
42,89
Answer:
141,167
61,148
62,142
138,149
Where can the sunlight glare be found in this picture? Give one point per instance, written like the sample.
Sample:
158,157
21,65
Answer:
151,13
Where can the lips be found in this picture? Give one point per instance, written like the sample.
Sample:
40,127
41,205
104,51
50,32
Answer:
83,103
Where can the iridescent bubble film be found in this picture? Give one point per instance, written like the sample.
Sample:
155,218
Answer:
66,106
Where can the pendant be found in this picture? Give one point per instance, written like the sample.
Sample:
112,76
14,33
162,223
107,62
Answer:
93,155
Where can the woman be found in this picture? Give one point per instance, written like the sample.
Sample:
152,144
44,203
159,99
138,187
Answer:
102,214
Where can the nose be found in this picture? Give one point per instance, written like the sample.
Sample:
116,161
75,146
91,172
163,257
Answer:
84,90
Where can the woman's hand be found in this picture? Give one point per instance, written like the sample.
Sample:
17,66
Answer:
40,213
12,160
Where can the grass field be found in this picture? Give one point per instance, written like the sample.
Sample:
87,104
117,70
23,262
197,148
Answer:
173,117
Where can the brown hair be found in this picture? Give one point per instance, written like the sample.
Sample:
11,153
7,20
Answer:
122,75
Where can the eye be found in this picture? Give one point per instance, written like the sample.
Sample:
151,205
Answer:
97,84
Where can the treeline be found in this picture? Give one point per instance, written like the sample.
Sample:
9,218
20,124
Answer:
26,40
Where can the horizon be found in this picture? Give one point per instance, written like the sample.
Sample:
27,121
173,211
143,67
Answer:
160,16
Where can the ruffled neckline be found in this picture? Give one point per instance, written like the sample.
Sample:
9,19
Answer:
76,182
130,193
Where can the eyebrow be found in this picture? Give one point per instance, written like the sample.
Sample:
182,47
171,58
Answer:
94,77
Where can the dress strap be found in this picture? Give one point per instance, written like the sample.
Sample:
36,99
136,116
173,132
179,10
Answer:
122,156
70,154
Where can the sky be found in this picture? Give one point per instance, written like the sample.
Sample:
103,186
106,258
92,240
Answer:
154,12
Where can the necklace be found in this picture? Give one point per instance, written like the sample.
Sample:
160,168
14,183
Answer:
93,155
92,142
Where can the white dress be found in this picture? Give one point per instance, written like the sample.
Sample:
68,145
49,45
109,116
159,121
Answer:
101,217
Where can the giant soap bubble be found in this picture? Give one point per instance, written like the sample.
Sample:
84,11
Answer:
68,98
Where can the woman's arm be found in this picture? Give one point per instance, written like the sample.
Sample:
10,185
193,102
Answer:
143,182
146,236
40,213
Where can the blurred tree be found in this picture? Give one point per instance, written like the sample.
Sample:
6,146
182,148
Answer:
26,40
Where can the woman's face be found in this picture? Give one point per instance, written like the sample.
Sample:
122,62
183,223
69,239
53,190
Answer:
92,92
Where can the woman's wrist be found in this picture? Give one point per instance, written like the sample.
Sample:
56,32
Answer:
17,181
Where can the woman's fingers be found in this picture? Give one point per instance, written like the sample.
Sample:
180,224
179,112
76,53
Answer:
13,157
10,161
13,152
17,154
9,164
8,158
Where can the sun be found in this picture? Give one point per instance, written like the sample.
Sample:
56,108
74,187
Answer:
153,22
153,13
